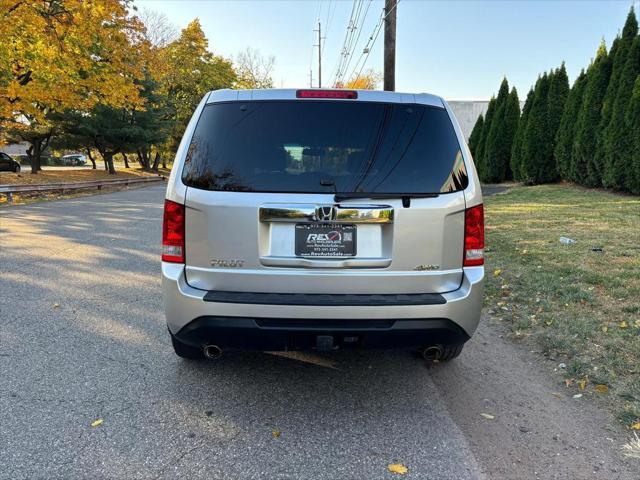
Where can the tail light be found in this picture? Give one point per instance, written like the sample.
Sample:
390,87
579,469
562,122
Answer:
474,236
173,232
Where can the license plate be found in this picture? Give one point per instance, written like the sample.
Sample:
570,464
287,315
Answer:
325,240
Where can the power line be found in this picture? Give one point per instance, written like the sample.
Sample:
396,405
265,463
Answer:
356,26
348,34
371,42
355,43
327,22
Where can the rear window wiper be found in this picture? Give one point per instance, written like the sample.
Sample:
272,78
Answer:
347,196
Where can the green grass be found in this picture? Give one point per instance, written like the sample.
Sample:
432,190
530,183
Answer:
581,307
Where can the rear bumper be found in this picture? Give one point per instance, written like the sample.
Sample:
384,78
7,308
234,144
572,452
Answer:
196,321
268,334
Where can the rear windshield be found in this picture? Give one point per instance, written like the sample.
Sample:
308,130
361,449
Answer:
325,147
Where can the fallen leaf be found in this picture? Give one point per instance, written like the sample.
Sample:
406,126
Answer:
557,395
623,324
577,395
605,328
397,468
488,416
582,383
276,433
97,423
497,272
635,426
568,382
55,305
602,388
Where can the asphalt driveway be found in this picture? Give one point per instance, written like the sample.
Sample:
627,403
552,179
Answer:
82,337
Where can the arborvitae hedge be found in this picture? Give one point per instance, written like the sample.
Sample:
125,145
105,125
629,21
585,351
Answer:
589,134
516,148
558,93
495,164
618,143
511,121
535,143
474,138
585,167
565,137
605,150
633,121
482,144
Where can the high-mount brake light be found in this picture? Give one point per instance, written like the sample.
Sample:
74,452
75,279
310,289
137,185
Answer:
173,232
316,93
474,236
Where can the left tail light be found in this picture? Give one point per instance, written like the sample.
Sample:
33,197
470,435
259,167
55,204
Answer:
474,236
173,232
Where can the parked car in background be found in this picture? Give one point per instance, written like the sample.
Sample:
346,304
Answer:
322,219
75,159
8,164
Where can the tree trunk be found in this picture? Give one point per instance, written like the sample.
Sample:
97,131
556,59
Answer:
164,162
107,156
109,161
126,160
37,145
143,158
93,160
156,161
34,153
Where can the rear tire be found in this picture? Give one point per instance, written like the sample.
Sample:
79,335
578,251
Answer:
186,351
17,169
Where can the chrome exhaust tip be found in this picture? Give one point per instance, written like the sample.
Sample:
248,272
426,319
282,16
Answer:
212,352
432,353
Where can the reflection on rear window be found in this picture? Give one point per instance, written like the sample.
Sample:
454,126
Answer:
325,147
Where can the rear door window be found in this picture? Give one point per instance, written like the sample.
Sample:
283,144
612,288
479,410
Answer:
325,147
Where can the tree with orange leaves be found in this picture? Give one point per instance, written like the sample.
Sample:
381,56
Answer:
62,54
367,80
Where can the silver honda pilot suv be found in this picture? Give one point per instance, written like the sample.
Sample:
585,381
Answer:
322,219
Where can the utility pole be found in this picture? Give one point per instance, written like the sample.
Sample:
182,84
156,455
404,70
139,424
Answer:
390,7
310,77
319,30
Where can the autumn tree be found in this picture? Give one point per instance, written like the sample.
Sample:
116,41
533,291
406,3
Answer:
254,70
367,80
64,54
158,29
190,71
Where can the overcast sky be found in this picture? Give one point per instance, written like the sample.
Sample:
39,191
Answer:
457,49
